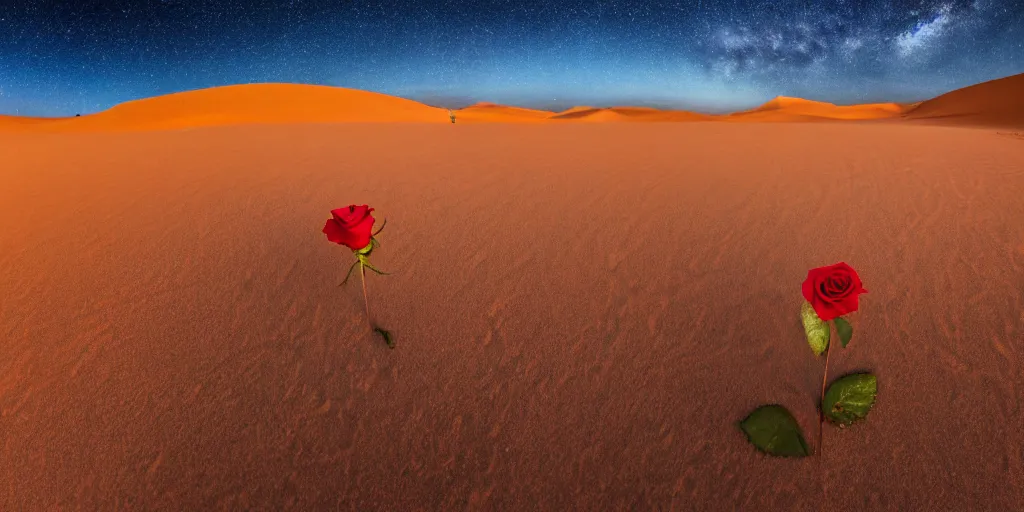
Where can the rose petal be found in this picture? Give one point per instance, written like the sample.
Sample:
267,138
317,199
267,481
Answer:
825,310
832,290
829,287
351,214
838,282
807,288
837,290
334,232
361,233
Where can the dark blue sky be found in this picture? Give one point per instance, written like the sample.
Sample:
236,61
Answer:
81,56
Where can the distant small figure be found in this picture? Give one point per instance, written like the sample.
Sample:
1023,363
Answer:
451,115
78,115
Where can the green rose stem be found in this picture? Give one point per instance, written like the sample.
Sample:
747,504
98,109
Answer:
366,301
821,428
363,260
821,408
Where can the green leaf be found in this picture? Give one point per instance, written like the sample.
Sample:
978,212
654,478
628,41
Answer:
817,331
386,335
773,430
844,329
850,398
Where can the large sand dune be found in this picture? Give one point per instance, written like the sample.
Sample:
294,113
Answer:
993,103
493,113
246,104
997,103
797,109
623,114
582,313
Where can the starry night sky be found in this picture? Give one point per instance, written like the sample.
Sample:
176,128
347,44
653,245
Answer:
81,56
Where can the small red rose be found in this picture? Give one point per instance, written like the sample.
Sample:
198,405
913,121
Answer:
833,290
351,226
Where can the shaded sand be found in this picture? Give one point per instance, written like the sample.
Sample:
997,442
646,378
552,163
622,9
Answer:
493,113
243,104
653,114
574,110
620,114
590,115
993,103
796,109
582,313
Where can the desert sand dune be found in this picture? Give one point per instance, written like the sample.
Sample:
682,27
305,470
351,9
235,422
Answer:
797,109
24,121
577,112
493,113
578,108
652,114
622,114
582,314
995,103
596,115
656,115
247,104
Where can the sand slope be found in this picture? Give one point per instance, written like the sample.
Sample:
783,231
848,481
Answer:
573,110
582,313
797,109
623,114
993,103
996,103
592,114
246,104
493,113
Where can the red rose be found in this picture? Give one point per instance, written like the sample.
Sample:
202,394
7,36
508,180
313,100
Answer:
350,226
833,290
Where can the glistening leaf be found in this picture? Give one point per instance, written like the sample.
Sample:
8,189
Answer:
844,329
816,330
850,398
773,430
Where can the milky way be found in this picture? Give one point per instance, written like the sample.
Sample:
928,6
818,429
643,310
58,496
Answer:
62,58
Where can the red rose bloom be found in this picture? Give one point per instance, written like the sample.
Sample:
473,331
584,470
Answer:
350,226
833,290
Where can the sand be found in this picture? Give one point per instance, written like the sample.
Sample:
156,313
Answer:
797,109
997,103
625,114
582,314
490,113
240,104
994,103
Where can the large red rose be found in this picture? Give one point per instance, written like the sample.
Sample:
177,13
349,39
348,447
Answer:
833,290
351,226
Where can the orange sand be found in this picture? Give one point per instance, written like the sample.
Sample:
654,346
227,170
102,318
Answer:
796,109
247,104
582,313
490,112
619,114
993,103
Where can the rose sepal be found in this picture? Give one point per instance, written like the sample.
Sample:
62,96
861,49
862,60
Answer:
363,258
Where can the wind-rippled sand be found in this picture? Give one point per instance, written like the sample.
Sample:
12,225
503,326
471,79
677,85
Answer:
582,314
